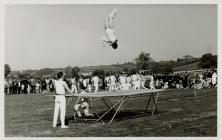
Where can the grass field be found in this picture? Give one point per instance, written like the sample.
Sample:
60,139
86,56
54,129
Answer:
180,114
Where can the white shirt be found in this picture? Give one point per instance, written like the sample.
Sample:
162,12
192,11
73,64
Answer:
47,81
201,76
128,79
19,84
95,80
112,79
122,79
37,84
214,77
134,77
60,86
5,83
22,87
107,79
151,78
85,82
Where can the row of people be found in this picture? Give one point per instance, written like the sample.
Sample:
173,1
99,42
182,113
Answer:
115,81
14,86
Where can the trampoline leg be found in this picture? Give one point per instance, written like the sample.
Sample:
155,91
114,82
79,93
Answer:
108,101
91,100
112,107
105,103
74,115
195,92
99,118
118,109
68,102
147,104
155,101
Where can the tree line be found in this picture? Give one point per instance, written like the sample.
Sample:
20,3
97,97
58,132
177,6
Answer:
143,62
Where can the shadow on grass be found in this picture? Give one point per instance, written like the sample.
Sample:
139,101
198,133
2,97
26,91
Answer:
122,115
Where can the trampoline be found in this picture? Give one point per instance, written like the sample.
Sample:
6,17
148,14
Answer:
104,96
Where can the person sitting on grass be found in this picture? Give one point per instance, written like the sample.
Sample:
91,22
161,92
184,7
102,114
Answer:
83,106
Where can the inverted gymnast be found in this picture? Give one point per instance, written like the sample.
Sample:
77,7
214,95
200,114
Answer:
110,38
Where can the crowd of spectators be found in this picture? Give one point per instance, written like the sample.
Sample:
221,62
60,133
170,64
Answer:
117,81
27,86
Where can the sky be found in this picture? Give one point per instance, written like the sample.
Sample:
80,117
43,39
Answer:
55,36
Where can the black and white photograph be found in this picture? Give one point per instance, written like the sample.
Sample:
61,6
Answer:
110,70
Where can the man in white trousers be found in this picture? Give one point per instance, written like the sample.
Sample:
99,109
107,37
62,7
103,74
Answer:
60,100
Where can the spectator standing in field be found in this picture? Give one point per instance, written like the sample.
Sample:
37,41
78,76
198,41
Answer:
128,81
134,79
85,82
10,86
82,85
28,88
185,80
73,86
138,81
95,81
157,84
208,79
214,78
60,100
107,81
37,87
42,85
47,84
23,88
122,80
89,85
152,82
32,85
143,80
6,86
112,83
51,87
14,87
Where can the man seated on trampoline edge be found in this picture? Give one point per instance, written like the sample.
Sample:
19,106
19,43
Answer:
110,38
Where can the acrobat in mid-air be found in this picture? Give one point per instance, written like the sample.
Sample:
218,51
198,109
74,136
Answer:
110,38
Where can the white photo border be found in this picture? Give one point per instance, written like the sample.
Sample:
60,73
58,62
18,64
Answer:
3,3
